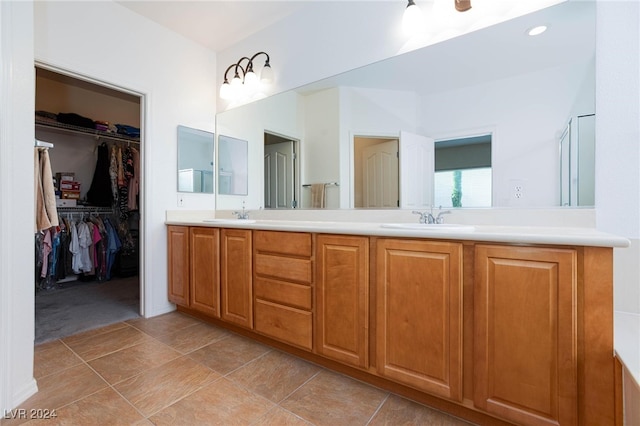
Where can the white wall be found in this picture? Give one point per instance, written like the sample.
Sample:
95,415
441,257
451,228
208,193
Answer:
618,140
17,93
108,43
278,114
527,113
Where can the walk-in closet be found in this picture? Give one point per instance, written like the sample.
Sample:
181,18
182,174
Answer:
88,179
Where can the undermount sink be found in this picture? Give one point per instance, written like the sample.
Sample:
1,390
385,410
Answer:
235,221
449,227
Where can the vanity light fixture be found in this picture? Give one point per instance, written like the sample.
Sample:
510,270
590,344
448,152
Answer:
534,31
411,19
245,83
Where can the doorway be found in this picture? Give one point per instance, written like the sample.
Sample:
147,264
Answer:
376,167
280,171
88,124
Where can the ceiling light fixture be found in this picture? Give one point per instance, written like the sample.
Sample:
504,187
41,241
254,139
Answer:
411,19
537,30
245,84
463,5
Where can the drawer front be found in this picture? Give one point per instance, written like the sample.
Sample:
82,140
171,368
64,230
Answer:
291,243
295,295
287,268
289,325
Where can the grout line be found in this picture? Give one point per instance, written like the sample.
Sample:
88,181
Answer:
384,400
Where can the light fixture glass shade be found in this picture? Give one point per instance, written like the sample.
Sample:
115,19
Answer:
412,19
226,92
266,75
251,82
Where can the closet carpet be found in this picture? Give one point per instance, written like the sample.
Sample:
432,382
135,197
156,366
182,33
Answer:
81,306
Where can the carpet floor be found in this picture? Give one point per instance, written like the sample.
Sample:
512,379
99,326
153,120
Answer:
81,306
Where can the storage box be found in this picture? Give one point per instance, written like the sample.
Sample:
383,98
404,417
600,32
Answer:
69,185
66,203
73,195
68,176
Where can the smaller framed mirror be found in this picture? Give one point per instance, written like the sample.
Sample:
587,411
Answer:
233,166
195,160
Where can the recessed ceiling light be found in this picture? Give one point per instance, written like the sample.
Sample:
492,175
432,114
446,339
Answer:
537,30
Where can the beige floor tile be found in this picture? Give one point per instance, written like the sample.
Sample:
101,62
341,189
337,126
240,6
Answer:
128,362
160,387
105,408
99,345
64,387
190,338
274,375
228,354
52,357
278,416
220,403
332,399
400,411
163,324
95,332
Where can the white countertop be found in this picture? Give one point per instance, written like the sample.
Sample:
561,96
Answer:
505,234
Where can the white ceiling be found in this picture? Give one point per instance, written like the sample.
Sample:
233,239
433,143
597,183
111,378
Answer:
215,24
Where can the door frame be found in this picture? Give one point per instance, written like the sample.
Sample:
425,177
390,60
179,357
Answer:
297,187
143,169
352,158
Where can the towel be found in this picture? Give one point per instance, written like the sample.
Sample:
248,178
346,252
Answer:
317,195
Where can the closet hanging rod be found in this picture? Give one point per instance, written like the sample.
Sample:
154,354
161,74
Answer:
43,144
88,132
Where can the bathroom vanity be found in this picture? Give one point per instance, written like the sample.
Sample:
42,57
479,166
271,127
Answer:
497,325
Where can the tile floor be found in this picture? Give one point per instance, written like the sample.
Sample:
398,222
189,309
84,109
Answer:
175,369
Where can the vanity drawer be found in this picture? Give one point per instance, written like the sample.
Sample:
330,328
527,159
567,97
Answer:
295,295
286,268
290,243
289,325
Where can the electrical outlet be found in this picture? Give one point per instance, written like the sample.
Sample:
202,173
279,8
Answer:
517,191
180,200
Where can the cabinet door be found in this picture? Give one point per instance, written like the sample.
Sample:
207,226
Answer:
178,264
236,277
205,270
419,314
525,334
342,298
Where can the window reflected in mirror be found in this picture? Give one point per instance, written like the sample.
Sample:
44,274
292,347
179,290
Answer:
195,160
463,172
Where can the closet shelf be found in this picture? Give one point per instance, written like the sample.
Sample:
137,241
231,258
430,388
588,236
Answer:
52,125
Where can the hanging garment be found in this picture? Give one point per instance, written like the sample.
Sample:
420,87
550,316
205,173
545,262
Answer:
46,250
45,196
74,248
113,246
99,193
113,171
42,220
84,242
134,181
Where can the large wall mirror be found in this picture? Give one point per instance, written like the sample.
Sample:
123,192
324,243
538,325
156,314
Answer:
504,96
195,160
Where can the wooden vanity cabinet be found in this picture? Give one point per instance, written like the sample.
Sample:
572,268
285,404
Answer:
283,278
525,325
419,326
204,281
178,264
236,287
342,298
194,279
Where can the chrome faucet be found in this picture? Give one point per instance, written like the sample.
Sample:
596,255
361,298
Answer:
439,218
425,217
244,214
428,217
